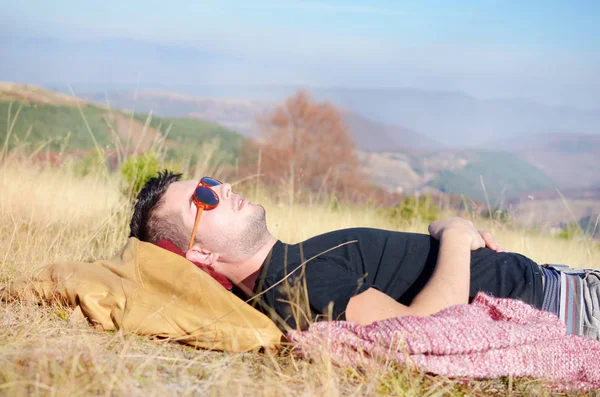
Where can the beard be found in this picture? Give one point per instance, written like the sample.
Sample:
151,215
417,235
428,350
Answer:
249,239
256,230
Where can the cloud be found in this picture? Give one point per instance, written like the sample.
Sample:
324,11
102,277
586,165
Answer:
345,9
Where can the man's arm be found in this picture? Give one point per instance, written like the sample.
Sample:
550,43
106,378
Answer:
448,286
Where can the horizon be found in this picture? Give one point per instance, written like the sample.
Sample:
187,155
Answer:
491,50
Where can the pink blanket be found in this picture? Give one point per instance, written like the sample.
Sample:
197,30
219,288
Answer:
489,338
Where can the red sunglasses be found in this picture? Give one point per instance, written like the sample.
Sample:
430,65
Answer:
205,199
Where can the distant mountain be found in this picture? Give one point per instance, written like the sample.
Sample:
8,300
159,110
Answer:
509,167
372,136
395,157
241,115
571,160
481,175
32,94
237,114
451,118
492,176
460,120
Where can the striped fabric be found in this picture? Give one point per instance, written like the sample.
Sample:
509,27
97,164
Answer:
551,290
571,303
563,295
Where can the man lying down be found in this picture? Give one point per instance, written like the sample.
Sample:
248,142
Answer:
360,275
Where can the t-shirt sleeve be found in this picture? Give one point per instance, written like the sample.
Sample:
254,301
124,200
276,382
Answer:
321,290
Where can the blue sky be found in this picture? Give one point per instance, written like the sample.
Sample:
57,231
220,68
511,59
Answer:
543,50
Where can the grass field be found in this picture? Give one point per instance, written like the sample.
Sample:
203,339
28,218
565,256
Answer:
52,214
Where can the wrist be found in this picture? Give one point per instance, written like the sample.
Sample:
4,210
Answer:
457,237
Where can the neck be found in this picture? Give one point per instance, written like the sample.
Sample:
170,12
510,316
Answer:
245,273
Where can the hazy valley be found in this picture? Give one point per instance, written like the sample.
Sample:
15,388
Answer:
522,174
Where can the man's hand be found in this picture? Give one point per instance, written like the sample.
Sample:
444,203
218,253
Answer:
491,242
458,228
478,238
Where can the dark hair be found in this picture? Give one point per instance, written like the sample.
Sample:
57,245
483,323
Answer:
146,224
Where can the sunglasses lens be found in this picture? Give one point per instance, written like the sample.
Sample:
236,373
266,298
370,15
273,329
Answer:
210,181
206,196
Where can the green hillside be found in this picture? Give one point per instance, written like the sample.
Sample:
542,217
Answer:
190,132
61,126
37,124
505,175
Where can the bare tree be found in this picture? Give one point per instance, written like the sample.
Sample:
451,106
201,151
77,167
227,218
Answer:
305,146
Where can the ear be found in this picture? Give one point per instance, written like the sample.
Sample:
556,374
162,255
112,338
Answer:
200,255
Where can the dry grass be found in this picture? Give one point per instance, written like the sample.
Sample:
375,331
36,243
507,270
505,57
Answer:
51,214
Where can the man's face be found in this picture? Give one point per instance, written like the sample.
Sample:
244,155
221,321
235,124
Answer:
232,228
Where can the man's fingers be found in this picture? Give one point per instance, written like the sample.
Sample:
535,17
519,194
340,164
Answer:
482,243
500,248
491,242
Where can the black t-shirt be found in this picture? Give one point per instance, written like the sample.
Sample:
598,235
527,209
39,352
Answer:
396,263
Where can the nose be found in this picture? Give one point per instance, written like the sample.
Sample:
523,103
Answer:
226,190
